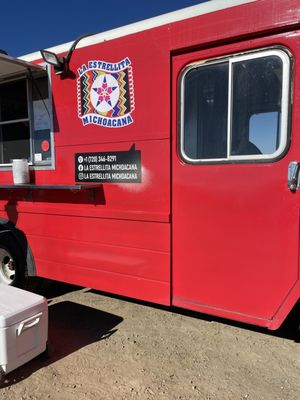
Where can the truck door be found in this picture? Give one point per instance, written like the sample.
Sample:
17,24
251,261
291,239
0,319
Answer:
235,219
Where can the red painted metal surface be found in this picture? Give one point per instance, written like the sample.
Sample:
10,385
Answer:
234,242
236,226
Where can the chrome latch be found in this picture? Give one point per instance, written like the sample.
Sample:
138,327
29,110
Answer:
293,175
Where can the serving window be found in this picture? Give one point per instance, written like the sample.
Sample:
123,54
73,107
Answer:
235,108
25,120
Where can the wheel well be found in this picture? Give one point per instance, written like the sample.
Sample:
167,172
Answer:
21,242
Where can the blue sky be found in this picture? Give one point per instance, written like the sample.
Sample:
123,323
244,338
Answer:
31,25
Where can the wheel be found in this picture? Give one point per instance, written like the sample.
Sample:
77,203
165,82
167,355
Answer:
12,263
13,267
7,267
2,375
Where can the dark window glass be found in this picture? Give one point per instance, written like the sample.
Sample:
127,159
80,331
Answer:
15,139
18,139
256,106
13,101
205,112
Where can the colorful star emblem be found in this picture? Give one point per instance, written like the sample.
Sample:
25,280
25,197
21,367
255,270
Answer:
104,91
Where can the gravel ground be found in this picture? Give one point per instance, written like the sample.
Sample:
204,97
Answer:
111,348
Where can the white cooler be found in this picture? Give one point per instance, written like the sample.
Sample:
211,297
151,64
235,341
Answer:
23,327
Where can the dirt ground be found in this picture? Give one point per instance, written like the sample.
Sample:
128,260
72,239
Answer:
109,348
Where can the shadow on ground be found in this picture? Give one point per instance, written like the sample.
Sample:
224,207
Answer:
289,330
51,289
71,327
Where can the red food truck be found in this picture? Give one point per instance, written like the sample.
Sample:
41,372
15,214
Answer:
164,161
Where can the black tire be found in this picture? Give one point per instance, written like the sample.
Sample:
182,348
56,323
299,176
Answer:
13,269
2,375
11,251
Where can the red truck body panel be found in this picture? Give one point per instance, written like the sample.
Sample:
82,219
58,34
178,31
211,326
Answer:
221,239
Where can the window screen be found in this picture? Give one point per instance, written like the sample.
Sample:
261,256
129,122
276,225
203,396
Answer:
41,121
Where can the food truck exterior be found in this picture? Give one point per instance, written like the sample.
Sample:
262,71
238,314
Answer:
163,161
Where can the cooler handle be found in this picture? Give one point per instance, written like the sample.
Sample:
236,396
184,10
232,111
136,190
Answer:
29,323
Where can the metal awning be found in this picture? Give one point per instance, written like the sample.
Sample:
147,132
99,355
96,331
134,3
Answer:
10,66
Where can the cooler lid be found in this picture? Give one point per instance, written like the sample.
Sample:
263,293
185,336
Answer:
10,66
17,304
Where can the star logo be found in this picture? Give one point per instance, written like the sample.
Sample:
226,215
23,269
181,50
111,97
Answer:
105,93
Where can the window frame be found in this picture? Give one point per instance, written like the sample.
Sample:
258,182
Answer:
39,165
287,63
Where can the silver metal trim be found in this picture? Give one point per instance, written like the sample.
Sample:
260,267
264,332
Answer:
30,115
293,175
229,107
52,137
14,121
